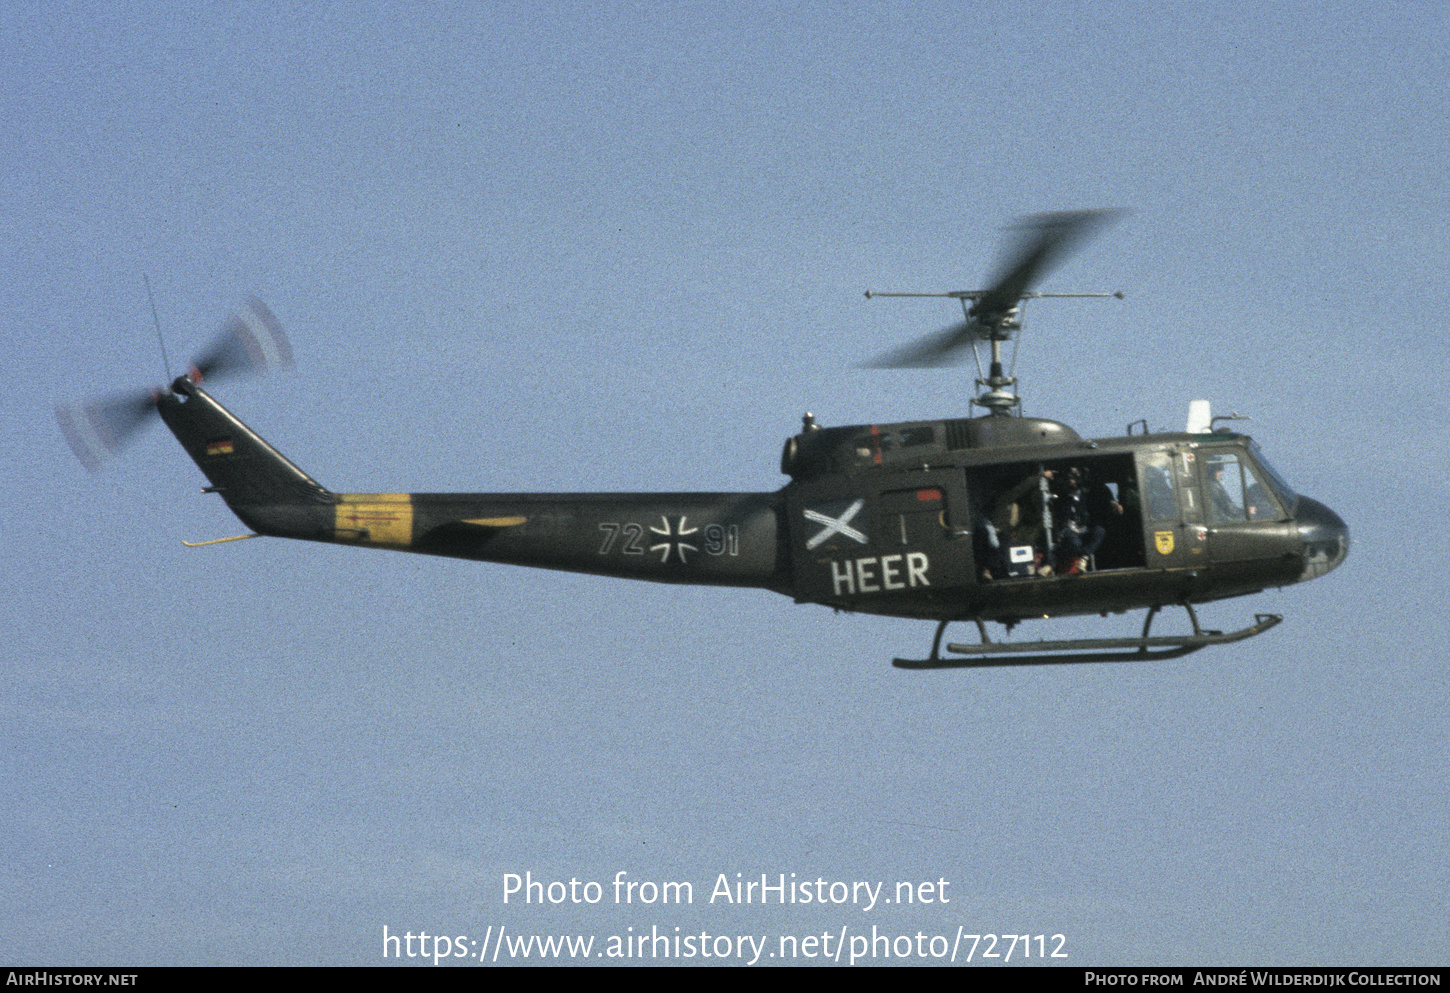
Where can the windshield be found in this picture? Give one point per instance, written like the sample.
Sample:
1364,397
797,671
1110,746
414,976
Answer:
1276,481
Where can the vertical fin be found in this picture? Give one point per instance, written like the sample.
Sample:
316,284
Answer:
241,466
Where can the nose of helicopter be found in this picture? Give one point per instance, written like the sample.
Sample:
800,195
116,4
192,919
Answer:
1325,537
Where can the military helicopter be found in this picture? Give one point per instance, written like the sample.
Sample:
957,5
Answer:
995,517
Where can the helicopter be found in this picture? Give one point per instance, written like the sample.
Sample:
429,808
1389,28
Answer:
992,517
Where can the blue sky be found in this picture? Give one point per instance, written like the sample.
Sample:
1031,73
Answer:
623,247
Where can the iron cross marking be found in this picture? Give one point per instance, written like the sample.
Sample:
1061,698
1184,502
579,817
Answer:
673,540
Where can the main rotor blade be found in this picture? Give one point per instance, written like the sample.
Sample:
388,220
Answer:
1043,240
101,428
252,341
939,348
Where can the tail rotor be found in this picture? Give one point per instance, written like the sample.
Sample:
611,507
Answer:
251,342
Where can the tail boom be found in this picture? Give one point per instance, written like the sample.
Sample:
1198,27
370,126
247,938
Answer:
718,539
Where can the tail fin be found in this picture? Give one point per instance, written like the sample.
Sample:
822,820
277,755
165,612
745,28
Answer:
259,484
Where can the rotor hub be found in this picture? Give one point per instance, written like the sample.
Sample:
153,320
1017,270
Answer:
995,315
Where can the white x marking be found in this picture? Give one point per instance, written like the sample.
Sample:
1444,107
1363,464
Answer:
835,525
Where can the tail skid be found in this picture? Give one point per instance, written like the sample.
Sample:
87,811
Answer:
219,541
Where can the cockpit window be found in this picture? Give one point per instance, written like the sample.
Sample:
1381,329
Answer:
1234,490
1160,502
1225,488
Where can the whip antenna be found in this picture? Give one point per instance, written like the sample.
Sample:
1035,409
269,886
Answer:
157,321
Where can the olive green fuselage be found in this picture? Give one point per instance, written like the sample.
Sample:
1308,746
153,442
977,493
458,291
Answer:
946,520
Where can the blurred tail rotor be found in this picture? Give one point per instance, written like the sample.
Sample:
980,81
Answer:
101,428
252,341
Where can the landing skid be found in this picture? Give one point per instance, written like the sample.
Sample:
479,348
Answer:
1141,649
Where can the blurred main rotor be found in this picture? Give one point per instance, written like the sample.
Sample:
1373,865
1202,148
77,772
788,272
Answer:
1040,242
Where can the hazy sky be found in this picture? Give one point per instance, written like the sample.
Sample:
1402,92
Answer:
623,246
